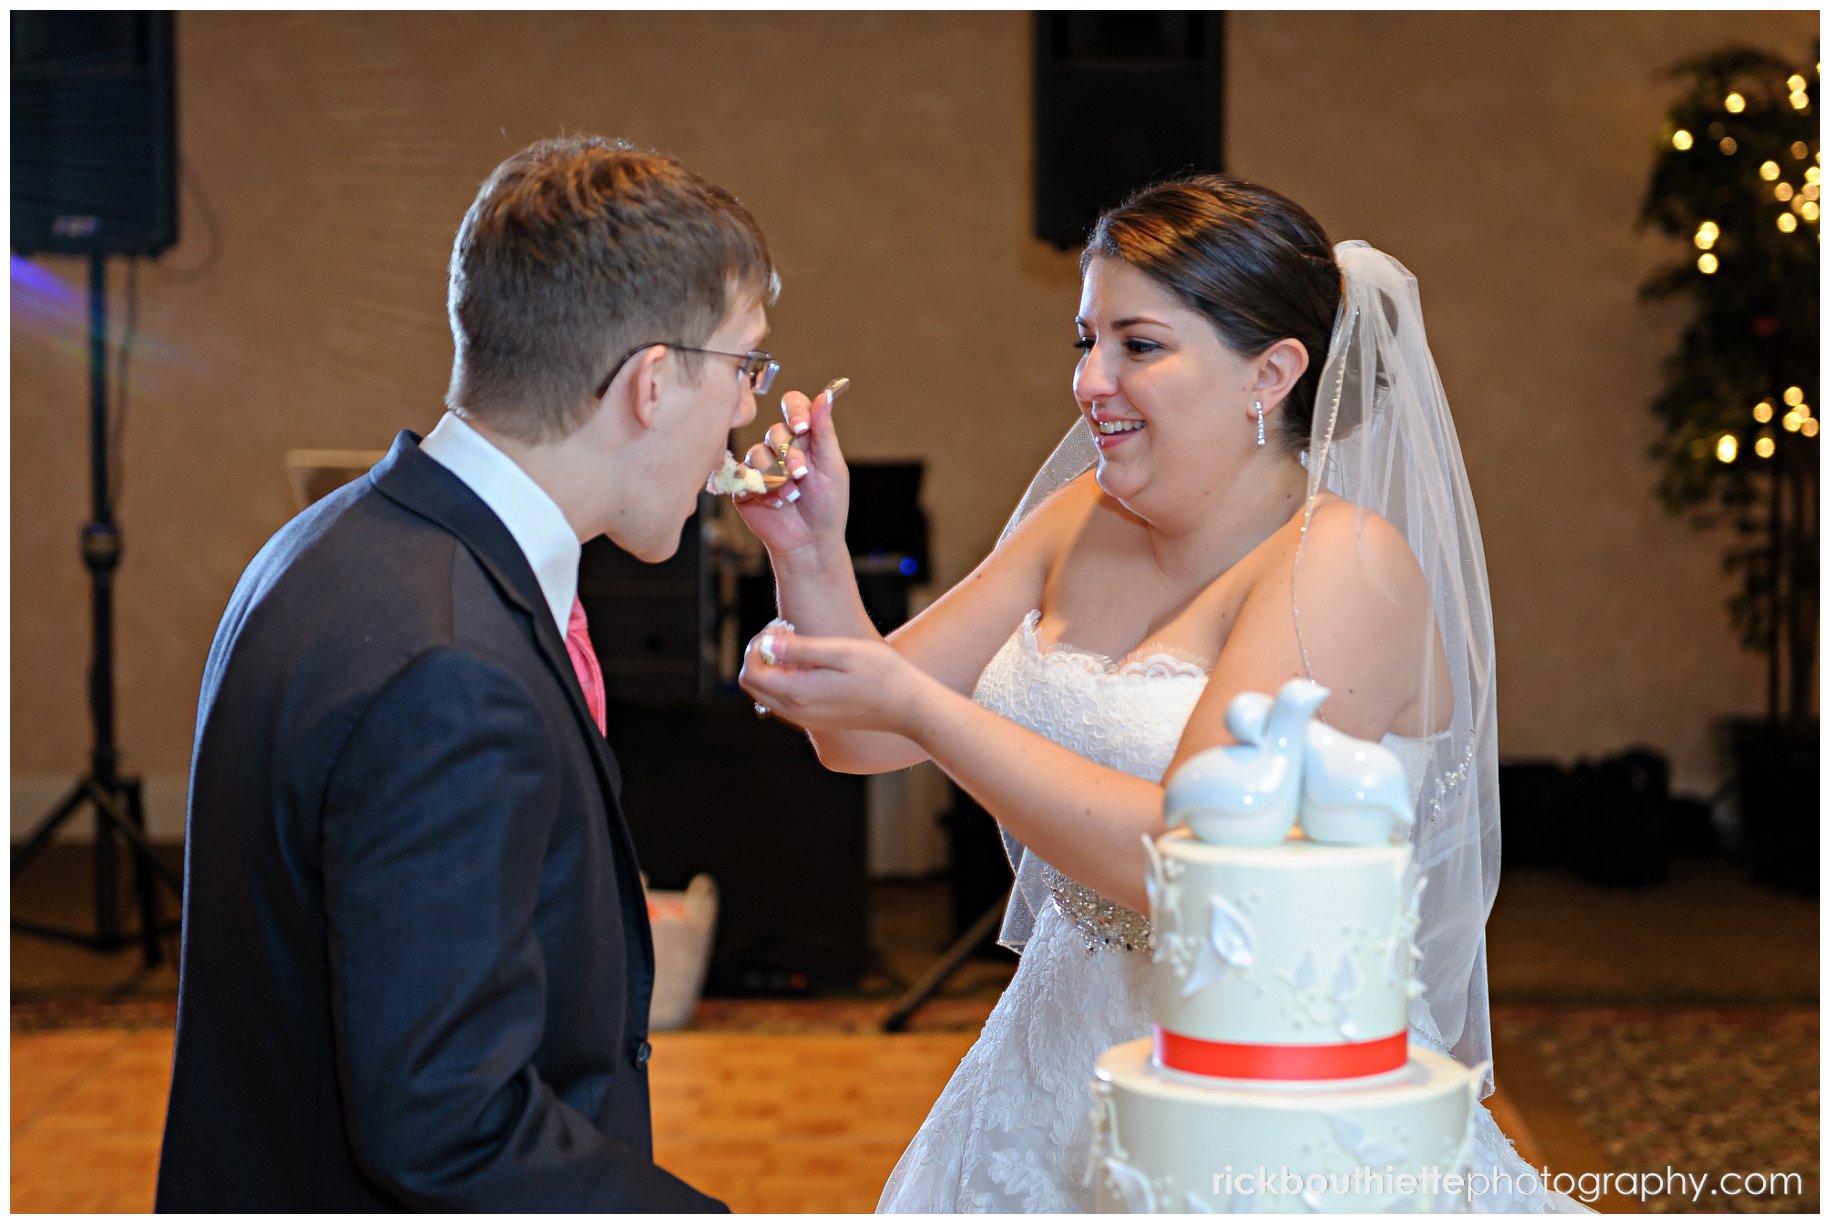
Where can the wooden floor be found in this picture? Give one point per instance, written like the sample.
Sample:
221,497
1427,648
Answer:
766,1122
778,1123
733,1115
88,1108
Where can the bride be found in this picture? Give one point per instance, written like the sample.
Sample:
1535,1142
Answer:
1263,483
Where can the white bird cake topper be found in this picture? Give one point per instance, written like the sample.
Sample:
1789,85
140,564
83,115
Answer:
1288,767
1246,794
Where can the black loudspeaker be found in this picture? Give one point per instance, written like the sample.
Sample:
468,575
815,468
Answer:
1122,99
712,788
95,137
1779,789
887,523
1609,820
1536,807
1621,809
887,535
653,625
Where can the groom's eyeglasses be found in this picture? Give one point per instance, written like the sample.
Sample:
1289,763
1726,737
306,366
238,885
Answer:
755,367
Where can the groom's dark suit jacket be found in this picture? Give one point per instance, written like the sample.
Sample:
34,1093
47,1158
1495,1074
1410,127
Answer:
417,962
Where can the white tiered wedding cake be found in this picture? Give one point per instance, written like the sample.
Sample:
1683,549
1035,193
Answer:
1280,1075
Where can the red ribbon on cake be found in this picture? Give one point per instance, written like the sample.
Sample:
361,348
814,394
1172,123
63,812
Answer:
1238,1060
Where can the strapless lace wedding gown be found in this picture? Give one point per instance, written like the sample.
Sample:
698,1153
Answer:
1011,1131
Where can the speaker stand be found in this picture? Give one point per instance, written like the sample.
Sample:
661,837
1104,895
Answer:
115,799
944,968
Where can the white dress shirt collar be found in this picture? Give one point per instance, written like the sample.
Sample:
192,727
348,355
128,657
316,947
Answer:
532,517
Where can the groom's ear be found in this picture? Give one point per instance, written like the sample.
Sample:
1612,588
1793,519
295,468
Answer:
1280,368
645,383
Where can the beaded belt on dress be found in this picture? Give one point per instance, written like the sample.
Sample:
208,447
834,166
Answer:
1105,925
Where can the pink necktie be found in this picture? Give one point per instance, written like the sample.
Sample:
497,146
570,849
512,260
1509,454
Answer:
584,662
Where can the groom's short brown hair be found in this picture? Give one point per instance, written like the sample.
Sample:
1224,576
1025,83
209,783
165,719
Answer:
576,250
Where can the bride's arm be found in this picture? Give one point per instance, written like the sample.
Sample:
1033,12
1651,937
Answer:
1365,615
1085,819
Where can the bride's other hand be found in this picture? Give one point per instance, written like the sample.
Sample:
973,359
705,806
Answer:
831,683
812,524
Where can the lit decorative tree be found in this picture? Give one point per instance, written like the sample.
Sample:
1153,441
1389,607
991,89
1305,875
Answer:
1737,177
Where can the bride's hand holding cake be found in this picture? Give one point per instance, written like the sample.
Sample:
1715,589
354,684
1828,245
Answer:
803,519
819,683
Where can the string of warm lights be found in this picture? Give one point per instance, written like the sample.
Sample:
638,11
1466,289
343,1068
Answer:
1801,200
1797,209
1798,420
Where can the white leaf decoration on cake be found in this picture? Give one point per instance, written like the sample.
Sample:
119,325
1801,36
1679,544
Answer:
1208,969
1347,1132
1229,946
1346,988
1346,981
1405,934
1230,933
1352,1139
1132,1186
1305,971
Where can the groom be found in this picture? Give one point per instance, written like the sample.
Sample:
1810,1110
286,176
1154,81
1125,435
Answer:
417,963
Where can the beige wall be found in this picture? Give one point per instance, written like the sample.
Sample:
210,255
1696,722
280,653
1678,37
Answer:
887,155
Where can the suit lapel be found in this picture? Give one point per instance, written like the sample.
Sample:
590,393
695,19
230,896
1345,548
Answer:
427,488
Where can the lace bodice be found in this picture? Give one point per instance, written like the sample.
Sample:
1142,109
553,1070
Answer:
1125,715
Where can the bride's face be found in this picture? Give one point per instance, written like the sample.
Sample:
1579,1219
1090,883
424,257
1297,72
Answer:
1169,403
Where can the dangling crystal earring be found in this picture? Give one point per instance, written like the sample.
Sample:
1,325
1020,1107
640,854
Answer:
1260,407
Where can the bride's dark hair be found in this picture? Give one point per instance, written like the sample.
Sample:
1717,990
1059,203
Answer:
1250,260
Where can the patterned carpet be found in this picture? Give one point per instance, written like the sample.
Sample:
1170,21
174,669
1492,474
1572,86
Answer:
1698,1090
37,1015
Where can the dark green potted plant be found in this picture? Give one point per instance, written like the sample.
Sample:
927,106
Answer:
1737,179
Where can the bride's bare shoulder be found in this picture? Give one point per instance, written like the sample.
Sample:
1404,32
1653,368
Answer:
1351,550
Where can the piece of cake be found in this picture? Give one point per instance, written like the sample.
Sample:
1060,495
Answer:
734,477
